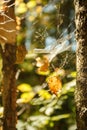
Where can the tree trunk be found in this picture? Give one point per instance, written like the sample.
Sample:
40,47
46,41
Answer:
9,68
81,88
9,88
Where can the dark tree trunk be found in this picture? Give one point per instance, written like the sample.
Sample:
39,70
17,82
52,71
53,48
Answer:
9,88
81,88
9,70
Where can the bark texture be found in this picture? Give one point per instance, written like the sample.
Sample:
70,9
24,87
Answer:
9,75
81,88
9,88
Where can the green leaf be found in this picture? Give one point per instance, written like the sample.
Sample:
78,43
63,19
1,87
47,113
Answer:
59,117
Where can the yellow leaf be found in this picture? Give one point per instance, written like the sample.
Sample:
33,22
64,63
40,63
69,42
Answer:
21,8
39,9
31,18
42,72
73,74
44,94
31,4
1,111
27,96
24,87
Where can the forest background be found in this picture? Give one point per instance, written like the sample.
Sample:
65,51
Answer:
45,78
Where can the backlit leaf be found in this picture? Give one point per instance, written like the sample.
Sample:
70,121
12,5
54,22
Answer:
54,84
44,94
27,96
1,111
21,8
31,4
24,87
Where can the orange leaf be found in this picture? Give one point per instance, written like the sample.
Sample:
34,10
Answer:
54,84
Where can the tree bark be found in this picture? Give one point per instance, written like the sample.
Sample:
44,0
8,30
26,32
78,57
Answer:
9,88
9,72
81,54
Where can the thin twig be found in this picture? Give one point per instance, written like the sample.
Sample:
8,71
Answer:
9,31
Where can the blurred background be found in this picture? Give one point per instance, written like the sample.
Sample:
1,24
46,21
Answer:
45,89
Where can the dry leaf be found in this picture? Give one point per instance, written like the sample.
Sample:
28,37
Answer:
54,84
20,54
42,64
